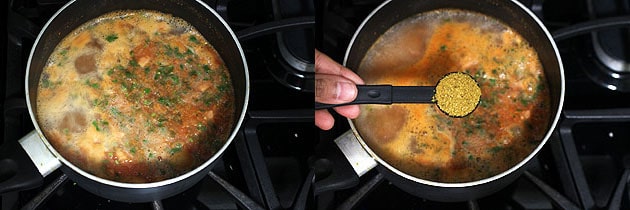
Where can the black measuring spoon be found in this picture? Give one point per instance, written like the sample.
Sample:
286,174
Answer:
389,94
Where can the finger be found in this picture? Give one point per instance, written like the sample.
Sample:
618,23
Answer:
324,120
333,89
350,111
326,65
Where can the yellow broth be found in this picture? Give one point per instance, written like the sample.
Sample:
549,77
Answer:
135,96
510,121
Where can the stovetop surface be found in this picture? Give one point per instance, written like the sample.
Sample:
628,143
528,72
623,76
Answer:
583,162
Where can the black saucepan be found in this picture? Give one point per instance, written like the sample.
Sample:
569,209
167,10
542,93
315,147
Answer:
511,13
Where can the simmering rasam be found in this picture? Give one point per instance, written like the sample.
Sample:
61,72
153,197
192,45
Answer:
510,121
135,96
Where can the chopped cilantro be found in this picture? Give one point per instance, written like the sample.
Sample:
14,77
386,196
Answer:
495,149
95,124
111,37
115,111
133,63
207,69
193,39
176,149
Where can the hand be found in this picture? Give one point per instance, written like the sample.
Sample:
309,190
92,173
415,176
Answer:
334,84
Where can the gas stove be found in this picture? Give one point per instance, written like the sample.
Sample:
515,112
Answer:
267,163
586,162
279,159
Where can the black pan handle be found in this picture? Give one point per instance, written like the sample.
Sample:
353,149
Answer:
341,164
24,163
332,171
17,171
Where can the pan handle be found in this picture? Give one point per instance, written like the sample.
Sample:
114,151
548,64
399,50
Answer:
341,165
24,165
359,159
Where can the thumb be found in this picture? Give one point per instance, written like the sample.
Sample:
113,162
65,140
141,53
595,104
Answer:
333,89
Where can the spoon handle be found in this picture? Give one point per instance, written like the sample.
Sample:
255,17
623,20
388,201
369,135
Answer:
388,94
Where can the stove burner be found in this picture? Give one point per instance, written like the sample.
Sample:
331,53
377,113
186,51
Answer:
295,48
610,50
611,46
607,56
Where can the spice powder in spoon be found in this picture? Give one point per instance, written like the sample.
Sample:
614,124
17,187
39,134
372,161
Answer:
457,94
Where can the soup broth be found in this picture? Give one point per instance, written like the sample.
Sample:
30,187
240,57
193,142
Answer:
135,96
510,121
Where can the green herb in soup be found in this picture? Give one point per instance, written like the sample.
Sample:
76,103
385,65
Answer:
510,121
118,100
